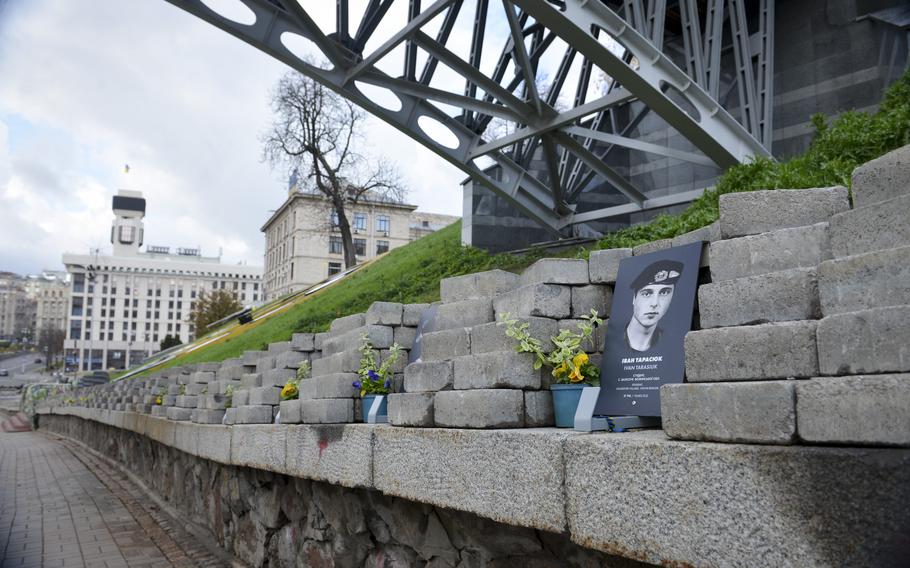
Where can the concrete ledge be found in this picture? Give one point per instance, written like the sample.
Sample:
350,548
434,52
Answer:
643,496
213,442
514,477
262,446
336,453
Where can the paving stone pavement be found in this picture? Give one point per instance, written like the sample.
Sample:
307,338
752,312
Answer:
61,506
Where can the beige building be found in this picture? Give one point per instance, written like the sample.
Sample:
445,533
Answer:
16,309
303,243
123,305
50,292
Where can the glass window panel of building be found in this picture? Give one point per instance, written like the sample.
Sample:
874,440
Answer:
360,247
335,246
360,221
383,223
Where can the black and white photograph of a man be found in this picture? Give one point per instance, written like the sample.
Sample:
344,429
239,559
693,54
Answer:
652,292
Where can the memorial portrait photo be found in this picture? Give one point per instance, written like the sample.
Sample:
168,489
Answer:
653,305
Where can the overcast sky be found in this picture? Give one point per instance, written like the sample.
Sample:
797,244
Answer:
88,86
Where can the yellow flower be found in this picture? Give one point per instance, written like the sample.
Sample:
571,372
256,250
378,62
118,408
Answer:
560,370
288,391
158,400
580,359
575,376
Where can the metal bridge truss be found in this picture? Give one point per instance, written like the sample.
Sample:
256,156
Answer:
492,122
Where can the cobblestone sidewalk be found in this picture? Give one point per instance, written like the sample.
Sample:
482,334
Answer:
60,510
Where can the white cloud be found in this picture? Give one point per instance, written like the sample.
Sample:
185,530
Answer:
88,86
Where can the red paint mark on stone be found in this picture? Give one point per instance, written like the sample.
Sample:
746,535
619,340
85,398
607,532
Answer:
380,559
323,444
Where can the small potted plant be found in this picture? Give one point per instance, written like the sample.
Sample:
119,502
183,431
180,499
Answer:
568,362
291,389
375,378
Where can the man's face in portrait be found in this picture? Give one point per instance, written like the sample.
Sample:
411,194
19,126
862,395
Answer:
650,303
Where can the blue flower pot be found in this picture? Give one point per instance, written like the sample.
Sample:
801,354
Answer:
565,403
368,403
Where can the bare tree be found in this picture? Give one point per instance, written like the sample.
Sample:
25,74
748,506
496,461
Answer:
316,133
50,342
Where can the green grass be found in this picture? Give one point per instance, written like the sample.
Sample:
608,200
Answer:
411,274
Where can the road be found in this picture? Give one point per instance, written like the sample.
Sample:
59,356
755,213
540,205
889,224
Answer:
22,370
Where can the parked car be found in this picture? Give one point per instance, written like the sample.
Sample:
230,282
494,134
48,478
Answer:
4,373
93,378
38,360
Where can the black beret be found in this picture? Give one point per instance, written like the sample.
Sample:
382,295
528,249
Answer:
660,272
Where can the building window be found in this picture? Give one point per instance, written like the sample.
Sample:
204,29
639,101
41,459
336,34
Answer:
360,221
334,219
383,223
334,268
335,245
382,246
360,247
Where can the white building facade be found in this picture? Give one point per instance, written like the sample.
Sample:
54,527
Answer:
123,305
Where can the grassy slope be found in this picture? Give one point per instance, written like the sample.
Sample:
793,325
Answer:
412,273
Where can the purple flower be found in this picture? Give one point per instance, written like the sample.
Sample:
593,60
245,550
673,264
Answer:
356,384
388,383
374,376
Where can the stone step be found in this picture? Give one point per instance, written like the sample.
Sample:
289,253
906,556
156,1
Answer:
327,411
229,372
344,362
428,376
411,314
277,377
250,358
221,387
279,347
158,411
883,178
347,323
864,281
240,397
405,336
463,313
538,409
291,360
783,249
266,363
755,352
748,412
251,414
570,271
867,410
384,313
186,401
482,408
496,370
382,337
196,389
878,226
202,377
289,411
411,409
603,265
754,212
492,336
250,380
867,341
487,284
269,395
444,345
302,342
210,366
213,402
591,297
338,385
208,416
788,295
542,300
179,414
319,339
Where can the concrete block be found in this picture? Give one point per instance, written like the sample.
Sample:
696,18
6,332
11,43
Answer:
253,414
266,363
208,416
878,226
230,416
482,408
464,313
337,454
405,336
496,370
753,212
384,313
179,413
556,271
603,265
327,411
883,178
214,402
344,362
277,377
749,412
868,410
319,338
229,372
263,446
871,280
187,401
290,411
510,476
492,336
291,360
752,503
428,376
411,409
652,246
185,437
796,247
411,314
336,385
173,389
240,398
279,347
543,300
265,395
447,344
213,442
380,335
787,295
769,351
708,233
159,411
211,366
347,323
478,285
250,380
202,377
400,363
868,341
592,297
251,357
302,342
539,409
195,389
